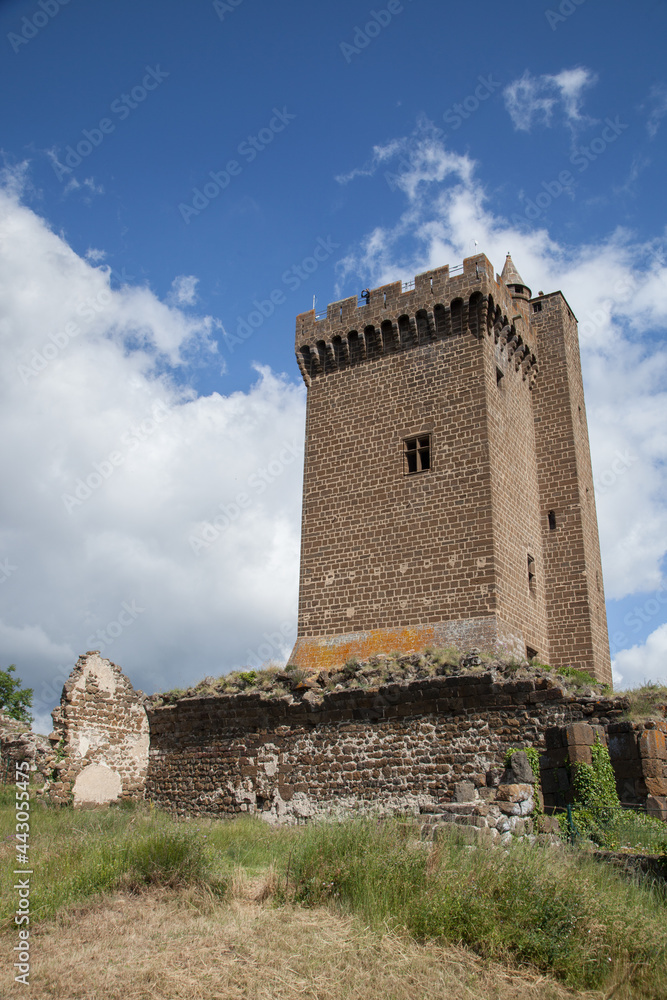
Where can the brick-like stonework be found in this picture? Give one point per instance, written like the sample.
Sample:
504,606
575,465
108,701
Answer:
391,561
576,614
100,736
638,755
402,747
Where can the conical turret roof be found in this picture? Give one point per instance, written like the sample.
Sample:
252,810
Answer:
512,278
510,274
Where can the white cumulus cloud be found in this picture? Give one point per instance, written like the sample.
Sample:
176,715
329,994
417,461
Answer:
646,662
136,517
184,290
549,98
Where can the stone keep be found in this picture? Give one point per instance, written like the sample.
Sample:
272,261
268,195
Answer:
448,492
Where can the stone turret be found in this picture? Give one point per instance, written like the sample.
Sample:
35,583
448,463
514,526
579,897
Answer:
520,292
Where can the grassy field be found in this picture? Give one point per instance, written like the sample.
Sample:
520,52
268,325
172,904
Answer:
129,903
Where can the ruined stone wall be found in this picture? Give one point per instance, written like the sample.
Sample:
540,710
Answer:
638,755
17,744
100,736
401,747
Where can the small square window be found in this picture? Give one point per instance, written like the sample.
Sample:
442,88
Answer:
537,307
417,454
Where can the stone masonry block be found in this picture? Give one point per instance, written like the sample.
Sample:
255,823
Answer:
556,757
580,733
555,738
627,768
563,779
623,746
652,743
464,791
514,793
651,767
580,754
549,781
656,805
656,786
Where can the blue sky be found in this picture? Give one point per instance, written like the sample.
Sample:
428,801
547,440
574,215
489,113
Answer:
181,179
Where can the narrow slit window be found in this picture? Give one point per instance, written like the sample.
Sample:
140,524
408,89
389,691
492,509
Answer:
417,454
499,376
552,521
531,573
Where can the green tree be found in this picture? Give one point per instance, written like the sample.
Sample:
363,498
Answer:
15,701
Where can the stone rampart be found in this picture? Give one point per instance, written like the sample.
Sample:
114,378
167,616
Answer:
401,747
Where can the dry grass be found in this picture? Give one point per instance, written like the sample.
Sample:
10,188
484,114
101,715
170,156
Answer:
646,702
188,945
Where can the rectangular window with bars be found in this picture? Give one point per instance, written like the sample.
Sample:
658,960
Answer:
417,454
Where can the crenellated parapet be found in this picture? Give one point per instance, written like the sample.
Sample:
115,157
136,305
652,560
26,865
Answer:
441,303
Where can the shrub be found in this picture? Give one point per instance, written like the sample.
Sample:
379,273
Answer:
248,677
580,678
15,701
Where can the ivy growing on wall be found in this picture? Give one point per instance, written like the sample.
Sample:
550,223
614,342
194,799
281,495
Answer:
596,802
594,784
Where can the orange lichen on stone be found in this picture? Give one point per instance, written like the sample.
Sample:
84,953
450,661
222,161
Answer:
327,653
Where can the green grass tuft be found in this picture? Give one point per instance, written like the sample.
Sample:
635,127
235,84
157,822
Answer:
558,910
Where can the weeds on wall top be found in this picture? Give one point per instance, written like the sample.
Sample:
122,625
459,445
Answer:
396,667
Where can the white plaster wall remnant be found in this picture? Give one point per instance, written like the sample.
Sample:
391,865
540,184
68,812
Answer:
101,720
97,784
87,738
137,746
100,670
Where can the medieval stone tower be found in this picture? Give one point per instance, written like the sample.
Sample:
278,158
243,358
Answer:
448,493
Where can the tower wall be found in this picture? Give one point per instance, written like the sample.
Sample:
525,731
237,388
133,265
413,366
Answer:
391,561
517,530
576,613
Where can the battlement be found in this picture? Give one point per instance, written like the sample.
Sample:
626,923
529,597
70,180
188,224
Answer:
399,316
